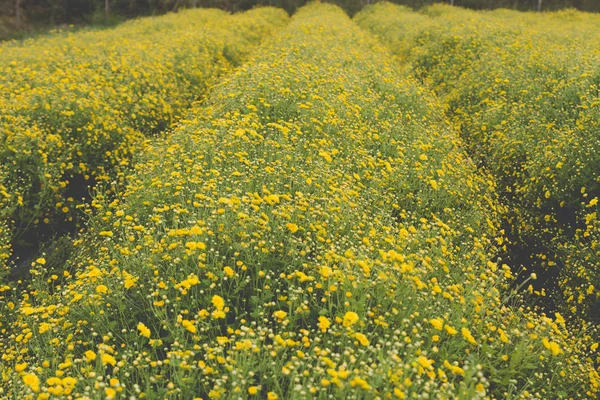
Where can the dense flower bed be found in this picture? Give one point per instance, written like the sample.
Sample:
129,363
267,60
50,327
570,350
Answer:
74,107
313,231
523,90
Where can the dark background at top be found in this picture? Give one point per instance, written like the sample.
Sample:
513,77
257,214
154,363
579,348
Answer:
80,12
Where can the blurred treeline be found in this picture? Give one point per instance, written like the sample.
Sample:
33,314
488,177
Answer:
15,14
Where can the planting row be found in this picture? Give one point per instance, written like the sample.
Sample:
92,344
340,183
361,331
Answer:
314,231
524,93
75,107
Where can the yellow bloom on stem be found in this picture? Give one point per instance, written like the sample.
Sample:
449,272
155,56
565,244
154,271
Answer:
552,346
454,368
425,362
144,331
467,335
503,337
350,318
110,393
90,355
361,383
32,381
108,359
399,393
362,339
293,228
280,314
101,289
189,326
20,367
438,323
222,340
450,330
229,271
218,302
324,323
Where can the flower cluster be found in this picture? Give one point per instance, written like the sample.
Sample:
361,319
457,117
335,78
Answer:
523,91
75,107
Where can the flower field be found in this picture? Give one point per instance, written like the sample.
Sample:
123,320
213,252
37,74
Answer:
75,107
316,227
523,92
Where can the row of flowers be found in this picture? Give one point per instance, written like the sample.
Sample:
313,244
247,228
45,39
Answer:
314,230
75,107
523,91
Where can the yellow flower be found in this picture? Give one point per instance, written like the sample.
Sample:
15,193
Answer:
69,381
438,323
457,370
280,314
144,331
218,302
425,362
292,227
552,346
108,359
350,318
324,323
450,330
252,390
129,282
44,327
222,340
362,339
272,396
90,355
110,393
228,271
195,246
503,337
101,289
20,367
467,335
559,319
32,381
454,368
189,325
359,382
